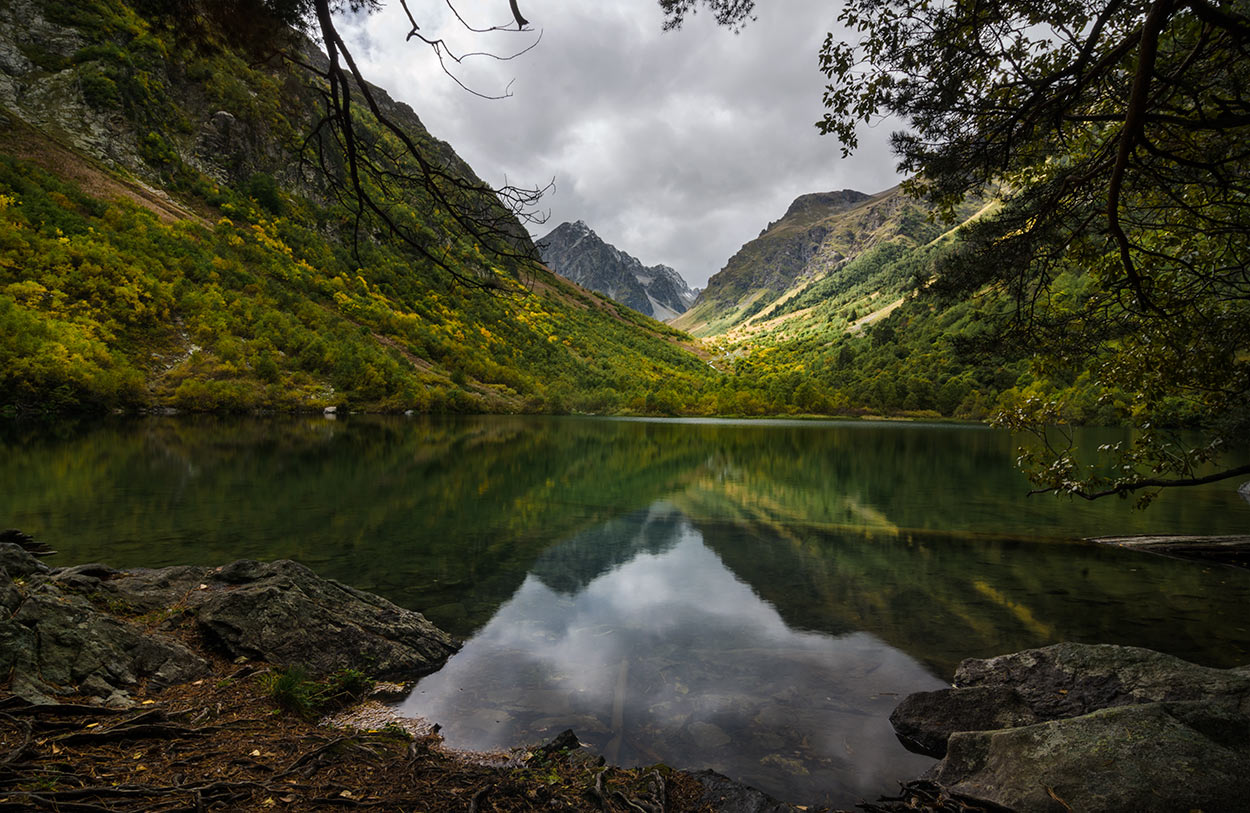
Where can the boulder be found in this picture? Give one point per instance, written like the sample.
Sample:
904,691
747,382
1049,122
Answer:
1087,727
1057,682
54,642
1151,757
283,613
17,561
99,631
1068,679
924,720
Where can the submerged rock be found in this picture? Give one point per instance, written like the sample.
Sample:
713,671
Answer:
707,736
96,630
724,795
1087,727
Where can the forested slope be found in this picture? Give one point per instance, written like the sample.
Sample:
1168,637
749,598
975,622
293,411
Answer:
168,238
163,245
828,312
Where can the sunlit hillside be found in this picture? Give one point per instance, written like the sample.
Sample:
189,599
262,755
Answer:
163,245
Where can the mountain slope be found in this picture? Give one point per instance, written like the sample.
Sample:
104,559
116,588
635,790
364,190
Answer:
823,313
576,253
163,245
819,235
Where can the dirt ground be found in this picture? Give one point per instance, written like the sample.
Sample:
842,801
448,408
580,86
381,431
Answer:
222,744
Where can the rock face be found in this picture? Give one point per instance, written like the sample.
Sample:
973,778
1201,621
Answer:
1151,757
576,253
925,720
1102,728
98,631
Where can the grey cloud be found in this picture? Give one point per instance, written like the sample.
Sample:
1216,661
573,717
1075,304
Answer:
678,147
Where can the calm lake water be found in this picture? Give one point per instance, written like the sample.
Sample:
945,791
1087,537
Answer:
749,596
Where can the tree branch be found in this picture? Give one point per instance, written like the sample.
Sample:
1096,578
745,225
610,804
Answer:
1137,485
1134,118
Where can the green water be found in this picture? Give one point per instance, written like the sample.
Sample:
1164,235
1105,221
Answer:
749,596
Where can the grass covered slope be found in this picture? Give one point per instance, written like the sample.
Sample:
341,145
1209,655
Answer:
162,246
823,247
821,315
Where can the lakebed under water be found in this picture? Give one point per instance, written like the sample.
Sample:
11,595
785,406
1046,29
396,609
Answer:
752,596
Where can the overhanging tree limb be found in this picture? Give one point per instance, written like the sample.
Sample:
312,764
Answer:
1134,117
1116,133
1153,482
381,160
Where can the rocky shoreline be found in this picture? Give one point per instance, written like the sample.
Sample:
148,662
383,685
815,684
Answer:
163,682
1087,727
140,652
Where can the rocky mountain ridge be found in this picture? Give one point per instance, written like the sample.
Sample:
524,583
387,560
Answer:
575,252
819,235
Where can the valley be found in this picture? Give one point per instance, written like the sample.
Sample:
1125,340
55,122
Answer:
721,451
188,261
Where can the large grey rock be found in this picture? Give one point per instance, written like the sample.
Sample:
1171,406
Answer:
1151,757
17,562
924,720
56,642
1055,682
77,629
1068,679
1090,728
282,612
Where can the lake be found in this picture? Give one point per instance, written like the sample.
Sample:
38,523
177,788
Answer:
751,596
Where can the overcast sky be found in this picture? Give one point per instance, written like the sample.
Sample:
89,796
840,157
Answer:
676,147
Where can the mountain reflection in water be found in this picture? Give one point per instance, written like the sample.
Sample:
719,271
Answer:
745,584
641,640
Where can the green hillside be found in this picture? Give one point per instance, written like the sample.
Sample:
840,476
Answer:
859,328
826,246
823,314
162,245
170,237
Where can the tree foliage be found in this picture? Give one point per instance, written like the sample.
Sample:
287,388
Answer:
1117,133
368,160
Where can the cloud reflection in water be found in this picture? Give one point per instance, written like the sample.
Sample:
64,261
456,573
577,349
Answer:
652,650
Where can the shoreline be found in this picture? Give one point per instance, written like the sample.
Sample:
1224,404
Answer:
214,687
239,687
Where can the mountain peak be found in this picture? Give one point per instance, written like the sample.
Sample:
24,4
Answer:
819,233
824,203
657,291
